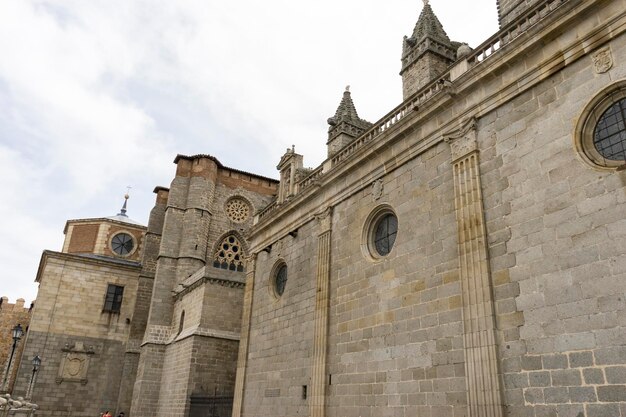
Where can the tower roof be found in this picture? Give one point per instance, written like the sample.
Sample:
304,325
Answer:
428,37
429,25
346,112
346,120
121,216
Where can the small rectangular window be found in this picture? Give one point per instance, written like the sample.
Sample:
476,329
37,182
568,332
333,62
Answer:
113,301
304,392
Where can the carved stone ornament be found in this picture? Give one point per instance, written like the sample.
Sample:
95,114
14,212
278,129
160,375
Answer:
462,141
377,189
278,247
602,60
75,363
324,218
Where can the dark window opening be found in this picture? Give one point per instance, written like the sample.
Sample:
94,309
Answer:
122,244
304,389
609,136
113,300
385,234
281,279
181,324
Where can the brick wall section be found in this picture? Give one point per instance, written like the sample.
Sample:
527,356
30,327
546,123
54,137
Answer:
83,238
94,236
10,316
137,234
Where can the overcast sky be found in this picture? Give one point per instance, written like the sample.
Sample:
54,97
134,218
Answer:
99,95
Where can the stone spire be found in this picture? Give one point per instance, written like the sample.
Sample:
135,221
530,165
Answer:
429,25
123,210
345,125
427,53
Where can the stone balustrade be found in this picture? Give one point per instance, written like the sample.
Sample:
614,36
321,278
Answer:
513,30
421,97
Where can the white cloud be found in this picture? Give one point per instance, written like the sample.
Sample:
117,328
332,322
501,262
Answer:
102,94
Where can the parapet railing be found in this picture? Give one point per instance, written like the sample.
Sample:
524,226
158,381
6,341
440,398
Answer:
476,57
391,119
311,178
262,213
513,30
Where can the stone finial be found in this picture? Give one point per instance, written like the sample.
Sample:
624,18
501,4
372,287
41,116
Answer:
429,25
346,111
126,197
463,50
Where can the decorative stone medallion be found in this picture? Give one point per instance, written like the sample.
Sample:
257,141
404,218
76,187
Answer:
602,60
237,210
75,363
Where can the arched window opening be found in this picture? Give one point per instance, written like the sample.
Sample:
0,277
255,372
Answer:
230,255
181,324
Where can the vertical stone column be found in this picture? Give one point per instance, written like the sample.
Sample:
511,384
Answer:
320,337
481,363
242,359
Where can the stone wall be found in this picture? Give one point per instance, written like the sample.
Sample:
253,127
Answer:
87,397
557,240
504,293
280,355
81,347
395,333
427,68
10,316
195,310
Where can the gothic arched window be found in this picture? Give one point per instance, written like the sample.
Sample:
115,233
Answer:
229,255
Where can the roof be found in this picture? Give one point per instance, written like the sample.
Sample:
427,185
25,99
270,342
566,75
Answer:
124,219
221,166
428,25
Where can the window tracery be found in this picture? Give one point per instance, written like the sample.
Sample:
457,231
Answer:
229,255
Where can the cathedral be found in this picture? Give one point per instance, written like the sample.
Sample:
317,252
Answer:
463,256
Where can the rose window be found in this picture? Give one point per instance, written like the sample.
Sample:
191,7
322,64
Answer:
237,210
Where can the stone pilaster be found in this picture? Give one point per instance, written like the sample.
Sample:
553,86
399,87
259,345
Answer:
242,359
481,363
320,338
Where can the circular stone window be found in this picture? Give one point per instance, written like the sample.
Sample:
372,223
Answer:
600,136
237,210
380,232
279,279
122,244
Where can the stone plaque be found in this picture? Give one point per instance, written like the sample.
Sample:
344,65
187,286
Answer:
75,363
602,60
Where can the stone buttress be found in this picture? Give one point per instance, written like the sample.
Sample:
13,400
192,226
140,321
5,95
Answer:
152,242
182,252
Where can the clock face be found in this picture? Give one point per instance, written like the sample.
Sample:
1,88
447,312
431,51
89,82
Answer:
122,244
